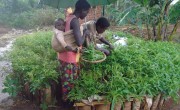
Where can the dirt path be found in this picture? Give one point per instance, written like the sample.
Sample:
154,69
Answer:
3,63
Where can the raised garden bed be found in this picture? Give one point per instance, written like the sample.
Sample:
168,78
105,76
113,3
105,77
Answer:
143,68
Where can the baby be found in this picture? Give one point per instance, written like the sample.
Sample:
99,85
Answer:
59,33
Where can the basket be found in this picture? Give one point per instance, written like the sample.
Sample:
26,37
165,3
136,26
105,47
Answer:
97,61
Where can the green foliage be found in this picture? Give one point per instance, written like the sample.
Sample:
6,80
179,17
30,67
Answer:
26,14
91,54
139,69
17,6
118,14
34,61
35,18
44,106
12,85
86,86
143,3
31,19
154,14
174,14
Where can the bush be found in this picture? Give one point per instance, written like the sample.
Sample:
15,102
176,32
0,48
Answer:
143,68
33,61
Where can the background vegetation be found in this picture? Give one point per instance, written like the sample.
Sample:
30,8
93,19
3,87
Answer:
27,14
153,15
32,13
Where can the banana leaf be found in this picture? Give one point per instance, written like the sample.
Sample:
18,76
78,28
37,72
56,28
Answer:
71,3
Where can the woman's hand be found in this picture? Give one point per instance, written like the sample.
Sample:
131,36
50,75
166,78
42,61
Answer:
105,51
111,46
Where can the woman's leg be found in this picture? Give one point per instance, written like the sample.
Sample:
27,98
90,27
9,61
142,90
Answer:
69,72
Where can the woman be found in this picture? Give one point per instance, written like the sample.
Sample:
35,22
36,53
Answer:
69,68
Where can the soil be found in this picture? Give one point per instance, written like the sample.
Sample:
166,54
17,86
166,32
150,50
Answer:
7,35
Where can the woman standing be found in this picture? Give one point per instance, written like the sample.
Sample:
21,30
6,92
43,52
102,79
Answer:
69,67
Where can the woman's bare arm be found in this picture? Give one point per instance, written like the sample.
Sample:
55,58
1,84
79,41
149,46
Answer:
76,31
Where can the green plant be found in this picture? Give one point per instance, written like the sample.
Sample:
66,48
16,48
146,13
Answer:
152,14
91,54
34,60
12,85
44,106
86,86
174,15
141,68
137,70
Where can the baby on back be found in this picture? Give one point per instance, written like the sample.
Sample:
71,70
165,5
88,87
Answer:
63,41
59,37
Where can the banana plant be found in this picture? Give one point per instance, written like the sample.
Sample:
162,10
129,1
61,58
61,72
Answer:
155,18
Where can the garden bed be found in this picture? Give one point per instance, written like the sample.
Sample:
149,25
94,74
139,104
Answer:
142,68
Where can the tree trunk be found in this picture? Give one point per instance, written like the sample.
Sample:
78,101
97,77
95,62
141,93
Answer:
162,26
174,30
148,31
165,32
166,12
159,30
154,33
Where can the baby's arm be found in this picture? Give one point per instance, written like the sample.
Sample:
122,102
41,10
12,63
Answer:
103,40
60,37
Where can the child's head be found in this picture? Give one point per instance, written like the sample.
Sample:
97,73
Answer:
102,24
59,24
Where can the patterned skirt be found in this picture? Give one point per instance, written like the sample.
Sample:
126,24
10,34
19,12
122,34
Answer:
68,73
